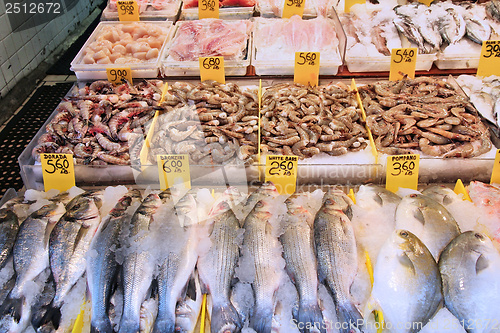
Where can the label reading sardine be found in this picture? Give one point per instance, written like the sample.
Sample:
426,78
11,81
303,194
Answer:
489,60
349,3
282,171
128,10
403,62
212,68
293,7
119,75
402,171
173,170
495,174
306,68
58,171
208,9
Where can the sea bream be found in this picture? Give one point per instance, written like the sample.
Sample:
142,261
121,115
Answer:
9,226
452,26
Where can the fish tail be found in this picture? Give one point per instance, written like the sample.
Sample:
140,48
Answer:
101,326
310,318
13,307
349,316
225,319
164,325
129,326
262,319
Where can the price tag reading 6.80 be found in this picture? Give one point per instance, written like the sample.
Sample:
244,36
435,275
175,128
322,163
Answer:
58,171
212,68
211,63
173,170
402,171
119,75
282,171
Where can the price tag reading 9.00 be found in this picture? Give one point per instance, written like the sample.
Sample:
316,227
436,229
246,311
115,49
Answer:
403,62
128,10
293,7
58,171
119,75
402,171
173,170
212,68
306,68
489,60
208,9
495,174
282,171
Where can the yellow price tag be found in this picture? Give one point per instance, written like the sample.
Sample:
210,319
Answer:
282,171
293,7
173,170
489,60
128,10
118,75
460,189
402,171
212,68
306,68
349,3
495,174
58,171
403,61
426,2
208,9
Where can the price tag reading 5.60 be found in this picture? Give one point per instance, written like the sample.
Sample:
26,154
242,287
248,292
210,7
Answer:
293,7
212,68
282,171
58,171
402,171
489,60
128,10
208,9
306,68
173,170
119,75
403,61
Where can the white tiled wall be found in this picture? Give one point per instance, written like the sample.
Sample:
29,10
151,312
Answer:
22,51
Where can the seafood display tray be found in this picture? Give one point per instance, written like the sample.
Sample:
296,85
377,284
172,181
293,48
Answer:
230,13
457,61
383,63
148,15
89,72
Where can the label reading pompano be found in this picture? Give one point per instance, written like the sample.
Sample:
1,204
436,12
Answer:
306,68
282,171
208,9
212,68
58,171
403,62
128,10
402,171
489,60
173,170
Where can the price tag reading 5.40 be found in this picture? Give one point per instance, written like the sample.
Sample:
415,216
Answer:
128,10
306,68
173,170
58,171
489,60
402,171
282,171
212,68
403,61
293,7
208,9
119,75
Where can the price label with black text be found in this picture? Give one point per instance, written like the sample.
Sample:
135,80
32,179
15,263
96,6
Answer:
489,60
173,171
402,171
119,75
212,68
128,10
208,9
293,7
495,174
403,62
58,171
349,3
282,171
306,68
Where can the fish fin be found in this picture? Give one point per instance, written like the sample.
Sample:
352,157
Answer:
13,307
162,325
372,313
406,262
348,313
419,216
191,287
225,318
262,319
104,327
310,316
481,264
348,212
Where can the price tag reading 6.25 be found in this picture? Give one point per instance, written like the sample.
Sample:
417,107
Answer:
119,75
489,60
282,171
212,68
403,61
402,171
58,171
306,68
173,170
208,9
128,10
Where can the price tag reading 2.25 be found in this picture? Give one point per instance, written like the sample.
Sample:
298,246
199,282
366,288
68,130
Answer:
58,171
402,171
403,61
495,174
128,10
208,9
282,171
119,75
489,60
212,68
173,170
306,68
293,7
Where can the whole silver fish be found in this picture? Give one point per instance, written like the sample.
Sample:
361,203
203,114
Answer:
470,266
266,190
216,268
452,26
411,31
407,284
298,250
178,260
477,30
102,267
337,255
493,9
42,305
9,226
70,240
139,263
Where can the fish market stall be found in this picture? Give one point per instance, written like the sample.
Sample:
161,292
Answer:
148,10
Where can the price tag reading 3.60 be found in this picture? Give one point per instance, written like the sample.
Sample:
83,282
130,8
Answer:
282,171
58,171
119,75
403,61
212,68
489,60
173,170
306,68
402,171
208,9
128,10
293,7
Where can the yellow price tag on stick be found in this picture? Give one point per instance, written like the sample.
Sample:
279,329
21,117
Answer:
282,171
489,60
349,3
403,61
426,2
495,174
293,7
306,68
58,171
212,68
118,75
173,170
208,9
402,171
128,10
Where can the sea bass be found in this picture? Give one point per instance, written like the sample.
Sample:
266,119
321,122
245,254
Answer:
9,226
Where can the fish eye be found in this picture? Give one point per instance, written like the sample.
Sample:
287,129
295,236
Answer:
413,195
404,234
329,202
259,204
479,236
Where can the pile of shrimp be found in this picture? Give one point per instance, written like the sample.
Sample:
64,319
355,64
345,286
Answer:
306,121
424,114
126,43
148,5
100,123
211,122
